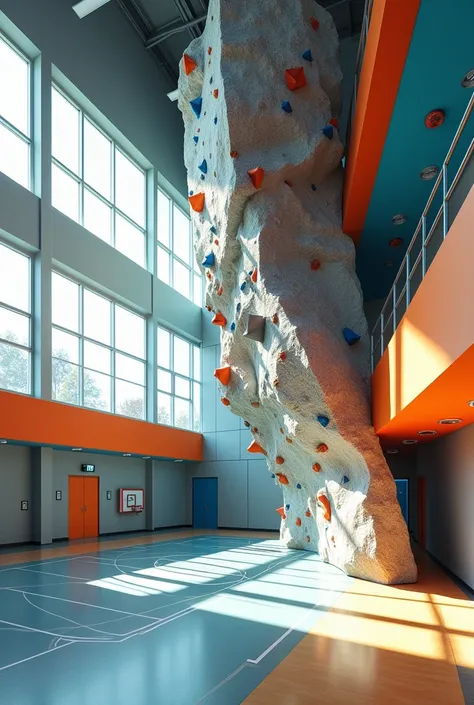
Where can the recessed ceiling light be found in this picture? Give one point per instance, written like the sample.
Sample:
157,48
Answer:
399,219
468,80
3,441
178,461
434,119
449,422
396,242
391,451
76,450
427,433
429,172
471,403
146,457
126,455
409,442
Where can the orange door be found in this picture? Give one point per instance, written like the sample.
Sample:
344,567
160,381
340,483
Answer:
76,507
91,507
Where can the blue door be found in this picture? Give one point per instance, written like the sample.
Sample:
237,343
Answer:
205,502
402,496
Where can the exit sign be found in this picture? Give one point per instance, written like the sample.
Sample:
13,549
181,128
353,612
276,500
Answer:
88,468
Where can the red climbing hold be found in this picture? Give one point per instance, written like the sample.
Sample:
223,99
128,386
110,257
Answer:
322,448
314,23
275,319
307,513
254,275
295,78
289,440
219,319
223,374
279,460
281,430
256,176
334,122
234,154
197,202
189,64
215,93
216,242
255,404
254,447
225,401
283,356
325,502
315,265
208,307
298,522
220,290
209,275
282,478
254,429
275,382
209,50
281,512
317,467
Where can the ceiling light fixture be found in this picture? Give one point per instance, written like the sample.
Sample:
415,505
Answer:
449,422
427,433
396,242
173,95
468,80
434,119
126,455
179,461
399,219
76,450
409,442
146,457
391,451
85,7
3,441
429,172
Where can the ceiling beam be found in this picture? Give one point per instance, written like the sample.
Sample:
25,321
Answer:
170,29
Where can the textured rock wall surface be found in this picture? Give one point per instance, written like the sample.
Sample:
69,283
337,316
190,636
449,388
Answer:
265,180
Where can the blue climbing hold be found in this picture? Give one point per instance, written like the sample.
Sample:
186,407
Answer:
287,506
232,327
350,337
210,81
345,479
313,187
196,105
298,485
273,475
243,285
286,106
323,420
307,55
196,139
328,131
239,306
191,193
202,177
213,229
251,272
215,121
203,166
209,260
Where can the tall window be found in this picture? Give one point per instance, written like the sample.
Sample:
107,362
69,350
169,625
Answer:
176,261
15,134
98,351
179,381
15,321
94,182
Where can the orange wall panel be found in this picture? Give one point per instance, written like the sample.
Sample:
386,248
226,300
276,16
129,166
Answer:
49,423
424,372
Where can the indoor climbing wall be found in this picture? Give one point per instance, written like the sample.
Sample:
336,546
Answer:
259,93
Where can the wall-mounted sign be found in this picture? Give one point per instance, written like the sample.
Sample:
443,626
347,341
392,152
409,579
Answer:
109,494
59,494
24,506
87,468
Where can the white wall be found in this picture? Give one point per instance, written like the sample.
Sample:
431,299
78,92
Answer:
448,466
15,485
169,488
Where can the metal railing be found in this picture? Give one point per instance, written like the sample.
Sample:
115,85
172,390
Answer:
359,58
427,239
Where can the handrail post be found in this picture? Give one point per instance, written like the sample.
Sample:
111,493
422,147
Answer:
423,248
394,308
408,290
445,200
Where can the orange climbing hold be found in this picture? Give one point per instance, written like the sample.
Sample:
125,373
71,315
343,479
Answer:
225,401
255,404
209,50
216,242
307,513
295,78
298,522
322,448
256,176
314,23
219,319
325,502
215,93
189,64
317,467
234,154
279,460
334,122
254,429
255,447
254,275
208,307
281,430
281,512
275,382
196,201
223,374
315,265
282,478
275,318
220,291
288,440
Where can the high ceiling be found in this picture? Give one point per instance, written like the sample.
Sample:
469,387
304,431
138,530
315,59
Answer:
167,26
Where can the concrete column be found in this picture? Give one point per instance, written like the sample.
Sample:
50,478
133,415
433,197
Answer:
42,494
151,377
150,495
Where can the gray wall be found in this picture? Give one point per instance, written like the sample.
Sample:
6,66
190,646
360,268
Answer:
403,467
448,466
15,482
114,473
169,486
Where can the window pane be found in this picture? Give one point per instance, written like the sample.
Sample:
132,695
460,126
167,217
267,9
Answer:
14,157
14,88
129,188
195,263
181,235
14,369
181,357
182,416
129,399
65,346
14,327
97,357
129,369
163,265
96,317
180,278
65,381
197,406
64,193
164,408
97,160
163,219
65,142
197,293
96,390
197,362
97,217
164,381
14,279
65,297
129,240
182,387
129,332
164,339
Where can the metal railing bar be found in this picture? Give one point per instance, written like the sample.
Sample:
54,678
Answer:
460,129
415,265
460,171
433,227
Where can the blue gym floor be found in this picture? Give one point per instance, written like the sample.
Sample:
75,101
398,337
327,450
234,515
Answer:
182,622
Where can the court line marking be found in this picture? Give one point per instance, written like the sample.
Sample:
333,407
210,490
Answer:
30,658
57,575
